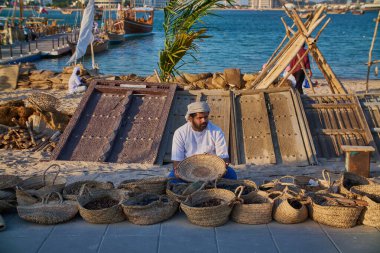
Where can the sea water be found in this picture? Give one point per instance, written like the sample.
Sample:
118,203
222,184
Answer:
240,39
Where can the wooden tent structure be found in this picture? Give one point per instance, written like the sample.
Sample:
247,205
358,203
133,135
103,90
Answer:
296,39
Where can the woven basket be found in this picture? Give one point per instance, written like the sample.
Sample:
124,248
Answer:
289,209
71,191
49,212
7,200
159,209
204,167
280,184
43,102
349,180
371,194
180,191
7,195
155,185
2,223
6,205
212,216
108,215
25,198
9,181
334,215
256,209
229,184
304,183
44,184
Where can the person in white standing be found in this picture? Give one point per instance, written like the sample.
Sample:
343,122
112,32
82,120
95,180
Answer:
75,84
199,136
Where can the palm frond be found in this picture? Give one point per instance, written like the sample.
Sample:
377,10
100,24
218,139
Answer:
183,27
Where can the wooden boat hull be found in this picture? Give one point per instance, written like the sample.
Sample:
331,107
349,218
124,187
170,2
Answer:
131,27
115,38
98,47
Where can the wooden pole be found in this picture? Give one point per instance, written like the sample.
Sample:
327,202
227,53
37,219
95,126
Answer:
92,55
291,71
21,9
370,51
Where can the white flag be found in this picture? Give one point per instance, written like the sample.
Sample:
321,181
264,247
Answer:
85,34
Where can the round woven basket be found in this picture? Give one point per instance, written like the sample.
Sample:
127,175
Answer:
71,191
232,185
304,183
349,180
335,216
155,185
288,209
159,208
204,167
109,215
9,181
43,102
180,191
280,184
25,198
212,216
6,205
371,194
256,209
7,195
42,185
49,212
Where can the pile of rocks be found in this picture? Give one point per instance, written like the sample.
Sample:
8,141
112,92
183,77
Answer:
30,77
230,79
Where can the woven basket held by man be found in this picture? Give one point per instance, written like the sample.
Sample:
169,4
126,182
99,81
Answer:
199,136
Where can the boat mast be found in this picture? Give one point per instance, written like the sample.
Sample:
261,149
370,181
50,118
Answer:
21,9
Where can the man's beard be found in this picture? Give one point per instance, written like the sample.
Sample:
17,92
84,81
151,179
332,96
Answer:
199,127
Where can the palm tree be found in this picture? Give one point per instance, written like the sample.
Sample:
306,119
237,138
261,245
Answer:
183,26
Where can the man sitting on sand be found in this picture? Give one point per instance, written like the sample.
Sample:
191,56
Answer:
75,82
199,136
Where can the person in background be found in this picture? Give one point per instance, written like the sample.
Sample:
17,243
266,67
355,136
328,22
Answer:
26,33
298,72
199,136
75,84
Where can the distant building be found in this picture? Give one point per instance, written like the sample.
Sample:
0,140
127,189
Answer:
107,3
264,4
151,3
40,2
260,4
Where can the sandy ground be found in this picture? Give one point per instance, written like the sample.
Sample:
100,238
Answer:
26,163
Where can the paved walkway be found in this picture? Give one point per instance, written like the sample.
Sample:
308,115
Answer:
179,235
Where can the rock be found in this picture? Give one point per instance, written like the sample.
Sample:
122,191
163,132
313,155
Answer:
37,75
249,84
250,77
56,79
233,77
192,78
151,79
180,79
69,70
190,87
203,84
60,86
23,83
218,81
42,85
